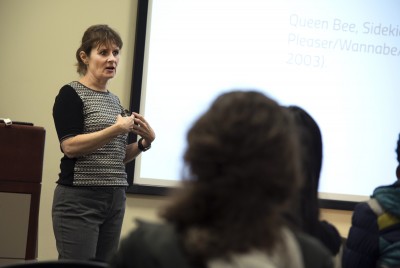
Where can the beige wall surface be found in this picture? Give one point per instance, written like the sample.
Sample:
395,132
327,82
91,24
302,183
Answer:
38,43
39,39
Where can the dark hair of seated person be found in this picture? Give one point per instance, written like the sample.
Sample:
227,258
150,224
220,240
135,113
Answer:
305,211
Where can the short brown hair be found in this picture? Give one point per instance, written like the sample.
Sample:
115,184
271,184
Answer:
95,36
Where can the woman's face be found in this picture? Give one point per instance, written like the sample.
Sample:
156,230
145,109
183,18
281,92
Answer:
102,62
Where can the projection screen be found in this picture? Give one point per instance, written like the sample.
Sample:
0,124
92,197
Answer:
339,60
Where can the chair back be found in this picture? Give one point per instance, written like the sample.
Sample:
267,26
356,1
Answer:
58,264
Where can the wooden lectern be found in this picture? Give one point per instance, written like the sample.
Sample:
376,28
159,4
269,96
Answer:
21,166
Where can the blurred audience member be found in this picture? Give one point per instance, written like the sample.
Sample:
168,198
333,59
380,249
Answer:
242,162
374,237
308,211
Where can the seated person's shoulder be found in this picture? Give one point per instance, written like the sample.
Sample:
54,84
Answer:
152,236
151,244
314,253
364,215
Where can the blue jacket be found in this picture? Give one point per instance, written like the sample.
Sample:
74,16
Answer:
374,237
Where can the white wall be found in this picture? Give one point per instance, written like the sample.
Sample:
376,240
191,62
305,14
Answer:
37,56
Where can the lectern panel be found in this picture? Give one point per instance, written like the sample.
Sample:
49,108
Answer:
21,165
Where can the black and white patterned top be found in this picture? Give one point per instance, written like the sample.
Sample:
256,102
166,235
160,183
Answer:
79,110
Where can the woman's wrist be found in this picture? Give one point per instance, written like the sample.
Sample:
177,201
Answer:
143,145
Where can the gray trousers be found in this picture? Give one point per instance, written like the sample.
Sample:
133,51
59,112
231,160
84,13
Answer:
87,221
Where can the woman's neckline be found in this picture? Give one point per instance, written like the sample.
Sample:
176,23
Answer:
92,89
